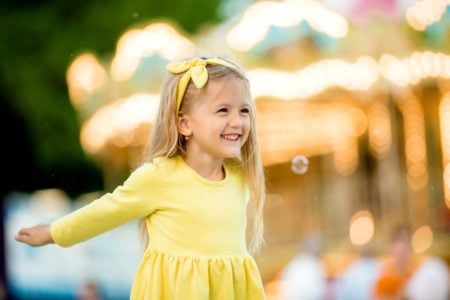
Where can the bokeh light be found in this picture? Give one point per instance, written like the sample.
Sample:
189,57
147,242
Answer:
361,228
422,239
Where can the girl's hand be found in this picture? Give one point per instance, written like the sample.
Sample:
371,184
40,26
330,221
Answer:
38,235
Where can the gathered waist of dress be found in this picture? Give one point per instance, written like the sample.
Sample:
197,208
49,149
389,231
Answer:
198,255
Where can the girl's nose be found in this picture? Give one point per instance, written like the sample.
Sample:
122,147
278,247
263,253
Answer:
236,120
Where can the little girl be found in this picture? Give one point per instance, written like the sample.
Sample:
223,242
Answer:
204,167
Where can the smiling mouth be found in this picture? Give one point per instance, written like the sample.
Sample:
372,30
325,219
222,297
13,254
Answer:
231,137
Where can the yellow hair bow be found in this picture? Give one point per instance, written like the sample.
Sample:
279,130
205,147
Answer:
194,69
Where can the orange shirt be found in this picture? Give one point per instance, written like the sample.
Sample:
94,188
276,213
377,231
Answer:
392,280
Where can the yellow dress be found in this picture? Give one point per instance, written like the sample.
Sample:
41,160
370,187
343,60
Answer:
196,229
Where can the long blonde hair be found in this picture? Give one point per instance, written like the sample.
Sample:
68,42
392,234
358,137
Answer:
166,142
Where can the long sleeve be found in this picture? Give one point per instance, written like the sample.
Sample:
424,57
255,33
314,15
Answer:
136,198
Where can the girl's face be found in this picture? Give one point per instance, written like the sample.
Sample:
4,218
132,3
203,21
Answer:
218,123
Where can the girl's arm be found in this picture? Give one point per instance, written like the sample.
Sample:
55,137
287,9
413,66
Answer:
132,200
38,235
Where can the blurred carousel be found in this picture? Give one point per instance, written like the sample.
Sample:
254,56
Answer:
353,115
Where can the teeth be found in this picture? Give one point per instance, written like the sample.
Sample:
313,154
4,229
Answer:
232,137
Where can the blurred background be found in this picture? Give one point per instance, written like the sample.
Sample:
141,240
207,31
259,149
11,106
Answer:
353,116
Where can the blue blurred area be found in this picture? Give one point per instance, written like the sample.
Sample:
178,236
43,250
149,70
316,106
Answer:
106,263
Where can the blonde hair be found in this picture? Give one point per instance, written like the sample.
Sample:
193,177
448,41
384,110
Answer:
166,142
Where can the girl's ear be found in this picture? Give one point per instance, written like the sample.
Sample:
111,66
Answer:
183,125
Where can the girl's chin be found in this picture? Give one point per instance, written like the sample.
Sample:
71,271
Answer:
233,154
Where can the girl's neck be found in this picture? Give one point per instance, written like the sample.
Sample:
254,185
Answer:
211,169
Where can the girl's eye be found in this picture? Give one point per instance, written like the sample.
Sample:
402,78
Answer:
223,110
245,110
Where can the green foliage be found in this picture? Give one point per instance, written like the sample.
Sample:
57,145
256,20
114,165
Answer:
37,43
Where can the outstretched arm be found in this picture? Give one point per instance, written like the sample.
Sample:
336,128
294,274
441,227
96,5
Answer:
38,235
132,200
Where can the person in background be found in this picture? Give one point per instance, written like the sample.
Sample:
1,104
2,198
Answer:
357,281
397,269
304,277
90,291
431,280
204,169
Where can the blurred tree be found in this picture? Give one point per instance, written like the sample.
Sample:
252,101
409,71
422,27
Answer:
38,40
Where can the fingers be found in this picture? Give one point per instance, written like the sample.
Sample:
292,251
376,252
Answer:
24,231
27,236
23,235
